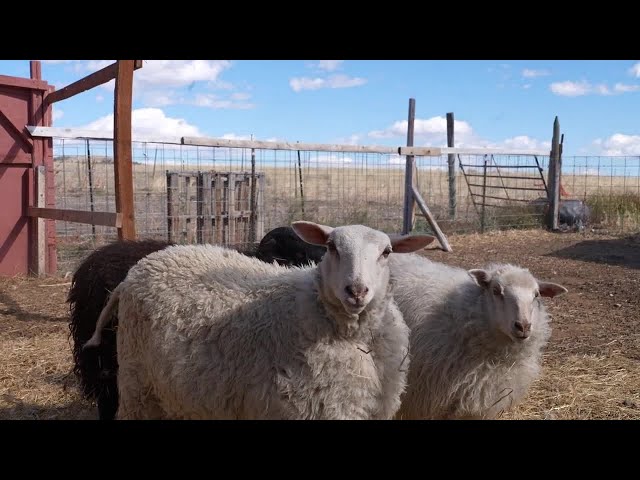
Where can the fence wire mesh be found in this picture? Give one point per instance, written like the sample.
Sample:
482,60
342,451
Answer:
190,194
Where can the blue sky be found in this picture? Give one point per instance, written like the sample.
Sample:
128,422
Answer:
499,103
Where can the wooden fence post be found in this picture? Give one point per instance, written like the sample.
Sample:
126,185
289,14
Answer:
122,162
452,167
409,210
554,177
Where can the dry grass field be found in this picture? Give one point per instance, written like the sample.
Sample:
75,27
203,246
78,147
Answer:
591,367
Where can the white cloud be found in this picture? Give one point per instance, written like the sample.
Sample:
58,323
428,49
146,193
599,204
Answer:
330,65
213,101
526,86
618,144
577,89
635,70
333,81
432,132
240,96
57,114
99,98
531,73
624,88
150,123
434,126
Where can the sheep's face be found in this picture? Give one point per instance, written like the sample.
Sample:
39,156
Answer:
355,268
514,299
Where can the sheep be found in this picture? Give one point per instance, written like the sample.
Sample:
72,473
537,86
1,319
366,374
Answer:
476,336
208,333
103,270
100,273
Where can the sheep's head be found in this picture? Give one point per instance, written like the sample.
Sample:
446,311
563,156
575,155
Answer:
355,268
514,298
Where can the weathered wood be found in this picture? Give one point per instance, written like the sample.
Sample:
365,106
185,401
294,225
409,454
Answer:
10,126
90,81
432,221
258,144
35,68
231,208
484,196
451,160
74,133
18,82
204,206
219,204
435,152
123,165
39,238
408,215
108,219
554,177
252,222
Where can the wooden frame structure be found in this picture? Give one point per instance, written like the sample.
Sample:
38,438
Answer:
123,219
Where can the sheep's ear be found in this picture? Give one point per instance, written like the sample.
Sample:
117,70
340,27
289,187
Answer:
312,233
409,243
481,277
548,289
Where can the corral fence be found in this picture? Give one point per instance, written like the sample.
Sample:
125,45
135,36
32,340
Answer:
492,191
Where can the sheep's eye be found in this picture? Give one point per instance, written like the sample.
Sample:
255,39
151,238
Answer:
386,252
537,294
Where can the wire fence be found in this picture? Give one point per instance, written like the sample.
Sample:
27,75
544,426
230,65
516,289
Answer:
188,194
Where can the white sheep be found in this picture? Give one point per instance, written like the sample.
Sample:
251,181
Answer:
208,333
476,336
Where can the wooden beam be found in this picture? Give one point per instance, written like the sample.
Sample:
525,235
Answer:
122,163
107,219
554,178
437,151
90,81
18,82
451,161
261,145
9,125
409,206
36,69
432,221
38,238
83,133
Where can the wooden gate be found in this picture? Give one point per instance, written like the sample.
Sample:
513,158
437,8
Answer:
214,207
26,244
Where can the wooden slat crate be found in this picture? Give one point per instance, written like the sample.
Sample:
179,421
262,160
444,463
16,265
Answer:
213,207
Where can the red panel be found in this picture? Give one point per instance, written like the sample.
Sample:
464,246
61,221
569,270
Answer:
14,103
14,240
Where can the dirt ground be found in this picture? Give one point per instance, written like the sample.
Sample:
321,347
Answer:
591,367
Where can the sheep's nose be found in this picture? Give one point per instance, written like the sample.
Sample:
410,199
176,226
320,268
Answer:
357,291
523,329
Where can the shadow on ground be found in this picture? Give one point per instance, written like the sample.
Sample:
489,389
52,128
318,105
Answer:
623,252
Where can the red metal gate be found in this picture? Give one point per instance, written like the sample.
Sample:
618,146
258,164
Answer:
21,104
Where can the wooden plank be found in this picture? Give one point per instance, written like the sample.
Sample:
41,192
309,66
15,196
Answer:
107,219
18,82
432,221
219,200
205,208
191,208
258,144
12,129
260,208
123,165
41,174
231,208
82,133
436,151
408,214
90,81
